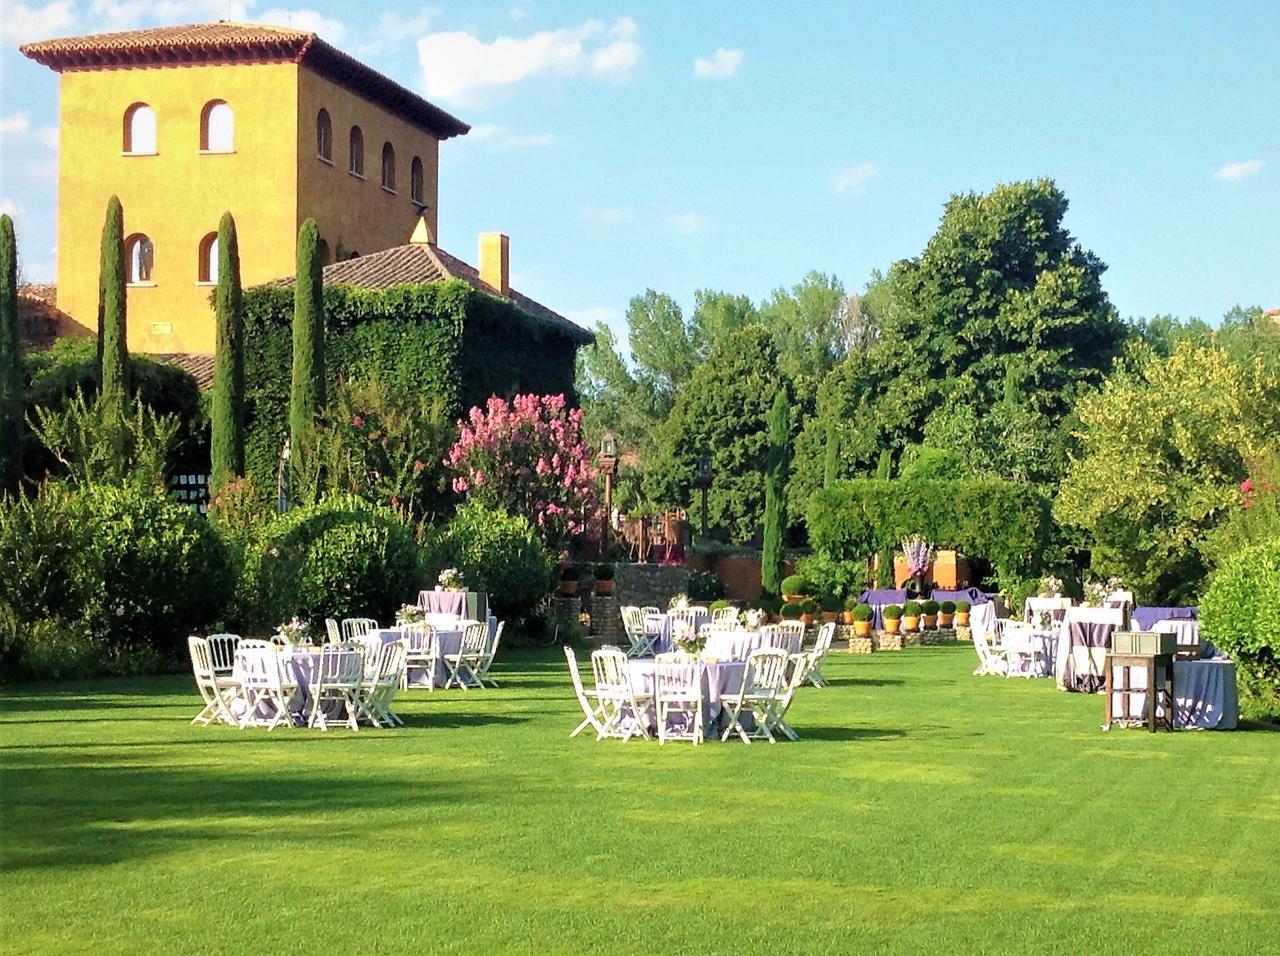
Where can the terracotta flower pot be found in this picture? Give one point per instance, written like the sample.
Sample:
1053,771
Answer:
910,623
807,619
930,621
944,620
846,617
604,587
568,587
892,625
829,617
962,618
863,628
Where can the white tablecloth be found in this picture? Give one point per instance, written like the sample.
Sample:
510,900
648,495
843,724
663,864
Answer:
738,645
449,639
720,678
1205,692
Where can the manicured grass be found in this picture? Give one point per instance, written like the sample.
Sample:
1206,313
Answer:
924,810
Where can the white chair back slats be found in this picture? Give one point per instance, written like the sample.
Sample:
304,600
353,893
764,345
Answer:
991,660
266,692
422,652
826,634
279,640
490,652
353,627
215,704
802,669
763,686
382,681
223,650
463,665
725,618
796,631
678,700
332,632
649,609
641,644
624,716
336,690
592,712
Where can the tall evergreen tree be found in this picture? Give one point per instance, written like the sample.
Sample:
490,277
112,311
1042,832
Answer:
307,396
777,464
831,455
884,561
227,431
10,361
113,343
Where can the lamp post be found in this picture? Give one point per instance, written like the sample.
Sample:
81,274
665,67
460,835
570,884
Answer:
704,482
609,465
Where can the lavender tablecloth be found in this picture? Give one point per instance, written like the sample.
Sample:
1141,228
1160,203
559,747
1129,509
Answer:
1031,653
659,626
738,645
1205,691
298,665
1143,618
450,639
724,677
879,599
469,604
974,596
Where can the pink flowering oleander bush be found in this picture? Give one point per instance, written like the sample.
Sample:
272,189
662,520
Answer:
528,457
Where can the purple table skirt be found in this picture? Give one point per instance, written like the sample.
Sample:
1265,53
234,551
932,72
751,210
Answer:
1085,655
1143,618
974,596
879,599
717,679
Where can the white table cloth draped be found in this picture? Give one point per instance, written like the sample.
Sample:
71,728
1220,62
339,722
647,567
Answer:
1205,691
449,637
716,679
1087,661
737,645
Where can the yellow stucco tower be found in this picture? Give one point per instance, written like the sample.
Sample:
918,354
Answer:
185,123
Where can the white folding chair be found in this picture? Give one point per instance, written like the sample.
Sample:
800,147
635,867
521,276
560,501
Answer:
353,627
725,618
333,633
490,652
594,714
826,634
991,660
422,652
802,667
1023,655
383,669
633,625
222,647
762,683
464,664
339,681
647,610
795,630
626,713
215,690
263,685
678,692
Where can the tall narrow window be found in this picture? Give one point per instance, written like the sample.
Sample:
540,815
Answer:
388,167
139,259
415,181
356,159
217,128
140,130
324,136
207,269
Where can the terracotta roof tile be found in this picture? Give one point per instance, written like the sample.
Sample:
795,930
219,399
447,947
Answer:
225,41
420,262
38,315
200,366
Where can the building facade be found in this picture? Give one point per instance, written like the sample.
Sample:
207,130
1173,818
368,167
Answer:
186,123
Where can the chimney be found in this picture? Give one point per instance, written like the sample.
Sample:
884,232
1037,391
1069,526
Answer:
422,234
495,261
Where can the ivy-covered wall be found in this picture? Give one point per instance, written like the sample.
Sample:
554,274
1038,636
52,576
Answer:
442,338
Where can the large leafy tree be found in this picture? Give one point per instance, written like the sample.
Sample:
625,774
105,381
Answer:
722,412
1162,454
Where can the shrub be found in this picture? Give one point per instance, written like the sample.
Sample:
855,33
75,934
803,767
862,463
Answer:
705,586
341,557
829,575
1240,613
795,584
831,603
809,606
911,609
929,607
891,612
863,612
604,572
718,605
500,554
947,607
791,612
962,607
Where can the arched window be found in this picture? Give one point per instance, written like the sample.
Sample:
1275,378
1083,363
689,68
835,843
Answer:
324,136
388,167
415,181
139,259
207,268
356,159
140,130
217,128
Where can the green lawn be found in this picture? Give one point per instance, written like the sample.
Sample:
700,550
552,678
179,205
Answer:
924,809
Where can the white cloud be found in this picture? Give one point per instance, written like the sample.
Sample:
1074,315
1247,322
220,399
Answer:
687,222
854,178
11,208
500,137
303,19
48,137
22,24
392,28
17,123
1234,172
459,66
720,65
607,216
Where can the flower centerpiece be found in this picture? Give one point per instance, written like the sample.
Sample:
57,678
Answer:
295,631
754,617
689,641
450,580
679,602
1096,592
1050,586
411,614
918,555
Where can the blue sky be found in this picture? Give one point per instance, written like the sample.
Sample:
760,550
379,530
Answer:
738,145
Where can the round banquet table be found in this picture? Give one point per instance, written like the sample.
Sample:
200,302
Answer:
298,665
717,678
738,645
449,638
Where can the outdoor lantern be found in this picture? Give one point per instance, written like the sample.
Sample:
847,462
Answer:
704,466
608,447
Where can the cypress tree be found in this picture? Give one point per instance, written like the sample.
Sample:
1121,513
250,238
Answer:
831,460
884,577
227,424
776,466
113,343
10,361
307,396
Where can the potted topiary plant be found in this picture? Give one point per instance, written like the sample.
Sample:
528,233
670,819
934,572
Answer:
831,606
849,604
946,612
791,611
794,588
929,609
891,614
569,579
962,613
862,616
808,608
604,579
911,616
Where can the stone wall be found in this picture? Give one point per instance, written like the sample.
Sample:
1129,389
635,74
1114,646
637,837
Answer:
649,584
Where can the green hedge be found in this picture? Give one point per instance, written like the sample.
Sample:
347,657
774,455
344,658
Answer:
1008,524
1240,614
444,339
